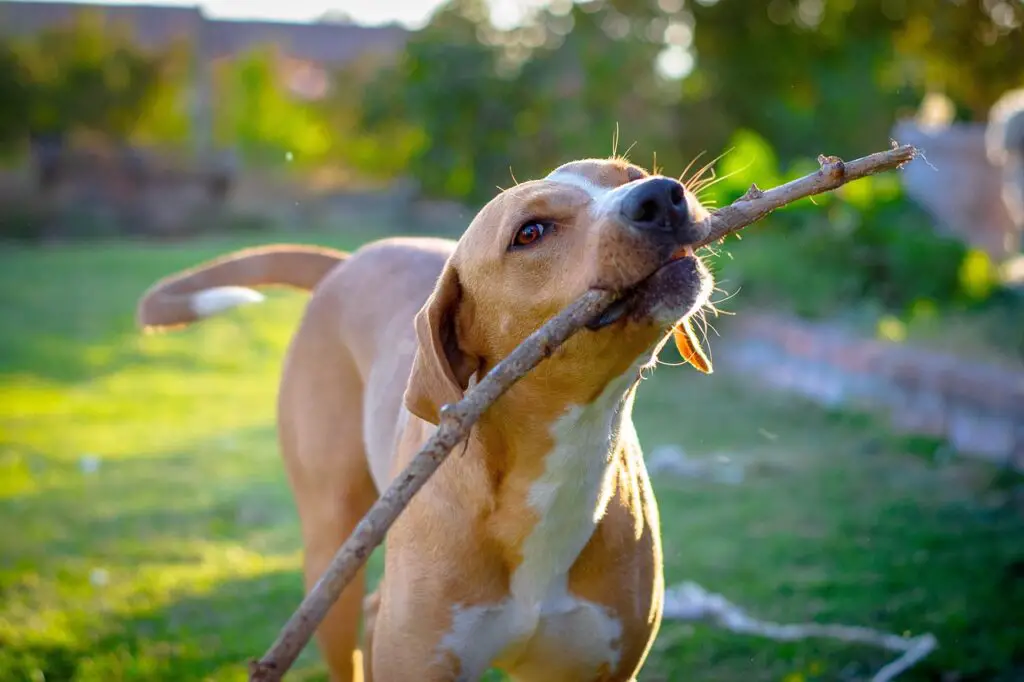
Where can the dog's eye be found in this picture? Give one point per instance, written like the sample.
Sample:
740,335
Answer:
530,233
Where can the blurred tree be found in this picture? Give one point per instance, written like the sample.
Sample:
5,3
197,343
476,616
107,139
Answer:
257,115
450,84
166,118
491,104
85,75
601,78
972,50
359,93
14,94
815,75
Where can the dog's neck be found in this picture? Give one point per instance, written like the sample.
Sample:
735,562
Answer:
553,479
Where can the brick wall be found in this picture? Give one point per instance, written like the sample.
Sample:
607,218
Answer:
977,408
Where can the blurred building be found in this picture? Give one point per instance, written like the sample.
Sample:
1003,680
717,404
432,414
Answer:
324,45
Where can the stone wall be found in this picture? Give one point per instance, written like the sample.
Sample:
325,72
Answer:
977,408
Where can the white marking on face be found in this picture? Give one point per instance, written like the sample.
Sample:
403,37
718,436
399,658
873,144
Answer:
580,182
604,200
219,299
569,498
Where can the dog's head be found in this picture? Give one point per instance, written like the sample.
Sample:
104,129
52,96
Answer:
538,246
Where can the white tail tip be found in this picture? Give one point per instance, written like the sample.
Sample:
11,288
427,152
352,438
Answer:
214,301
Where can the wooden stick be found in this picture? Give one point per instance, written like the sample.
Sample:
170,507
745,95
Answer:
456,420
834,173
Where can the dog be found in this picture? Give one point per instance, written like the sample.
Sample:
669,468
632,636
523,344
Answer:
535,548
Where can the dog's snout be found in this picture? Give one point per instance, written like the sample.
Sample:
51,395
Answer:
656,204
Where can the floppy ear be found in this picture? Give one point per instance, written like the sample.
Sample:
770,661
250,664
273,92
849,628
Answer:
441,370
689,346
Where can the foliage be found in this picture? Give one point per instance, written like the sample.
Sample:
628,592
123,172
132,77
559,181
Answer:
166,120
260,119
865,243
14,94
381,150
823,76
85,76
834,75
492,104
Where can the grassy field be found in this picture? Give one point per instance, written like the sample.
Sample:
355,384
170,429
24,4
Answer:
148,533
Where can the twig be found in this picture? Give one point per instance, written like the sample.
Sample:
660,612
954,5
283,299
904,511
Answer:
691,602
456,420
834,172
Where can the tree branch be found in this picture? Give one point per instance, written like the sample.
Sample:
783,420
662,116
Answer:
834,172
456,420
691,602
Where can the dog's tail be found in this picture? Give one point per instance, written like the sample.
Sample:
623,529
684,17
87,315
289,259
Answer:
226,282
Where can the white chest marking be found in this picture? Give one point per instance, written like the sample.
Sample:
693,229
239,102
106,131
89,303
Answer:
569,499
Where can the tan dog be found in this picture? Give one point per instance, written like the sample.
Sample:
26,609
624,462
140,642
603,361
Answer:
536,549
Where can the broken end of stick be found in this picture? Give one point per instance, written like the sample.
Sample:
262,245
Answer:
904,153
832,167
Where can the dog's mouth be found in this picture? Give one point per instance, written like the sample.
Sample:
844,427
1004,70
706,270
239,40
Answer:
675,286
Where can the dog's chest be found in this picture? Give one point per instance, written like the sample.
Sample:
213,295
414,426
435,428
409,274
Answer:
541,622
531,641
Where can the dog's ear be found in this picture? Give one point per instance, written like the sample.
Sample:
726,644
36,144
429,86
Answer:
689,346
441,370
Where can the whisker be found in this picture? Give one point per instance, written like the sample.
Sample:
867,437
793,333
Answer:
696,177
625,155
713,305
690,165
707,341
705,325
715,180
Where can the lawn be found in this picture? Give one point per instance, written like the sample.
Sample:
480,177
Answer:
148,533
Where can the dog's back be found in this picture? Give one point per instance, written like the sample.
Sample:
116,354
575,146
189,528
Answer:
362,315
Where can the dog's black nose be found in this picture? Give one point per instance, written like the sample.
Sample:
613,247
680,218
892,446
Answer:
656,204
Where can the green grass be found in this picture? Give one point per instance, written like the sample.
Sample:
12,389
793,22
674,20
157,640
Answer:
178,558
